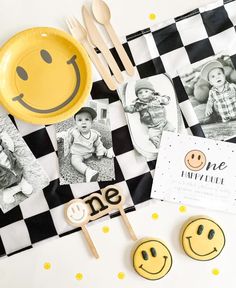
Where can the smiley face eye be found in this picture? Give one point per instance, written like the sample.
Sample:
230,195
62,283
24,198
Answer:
192,156
200,229
211,234
199,157
153,252
22,73
145,255
46,56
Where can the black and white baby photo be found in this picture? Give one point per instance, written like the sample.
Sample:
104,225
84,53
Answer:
151,107
85,145
21,174
211,88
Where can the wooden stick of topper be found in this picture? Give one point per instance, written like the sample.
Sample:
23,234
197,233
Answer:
78,212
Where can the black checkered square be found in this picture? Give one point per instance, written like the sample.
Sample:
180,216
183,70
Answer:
167,39
41,147
199,50
216,21
57,194
40,227
101,91
151,68
10,217
140,188
180,91
2,249
121,140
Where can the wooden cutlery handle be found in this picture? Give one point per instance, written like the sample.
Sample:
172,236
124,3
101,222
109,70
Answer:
120,50
100,67
112,63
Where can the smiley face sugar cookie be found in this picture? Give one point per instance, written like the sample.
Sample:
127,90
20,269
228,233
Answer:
202,238
151,258
195,160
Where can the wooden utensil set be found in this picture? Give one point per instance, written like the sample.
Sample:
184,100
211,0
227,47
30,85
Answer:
92,38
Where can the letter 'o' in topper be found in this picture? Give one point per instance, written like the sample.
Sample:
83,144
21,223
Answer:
78,212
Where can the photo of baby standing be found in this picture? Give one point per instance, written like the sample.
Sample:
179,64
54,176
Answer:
211,87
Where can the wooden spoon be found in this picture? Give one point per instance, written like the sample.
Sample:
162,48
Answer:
102,14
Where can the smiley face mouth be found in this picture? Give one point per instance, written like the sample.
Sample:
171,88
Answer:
202,255
195,166
155,273
20,97
78,219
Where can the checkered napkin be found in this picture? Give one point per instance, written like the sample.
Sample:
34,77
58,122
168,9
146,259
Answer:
165,48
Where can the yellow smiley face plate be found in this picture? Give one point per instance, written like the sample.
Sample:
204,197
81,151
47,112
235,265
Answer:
45,75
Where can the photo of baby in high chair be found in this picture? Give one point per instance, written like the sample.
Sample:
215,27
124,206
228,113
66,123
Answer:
85,148
21,174
150,106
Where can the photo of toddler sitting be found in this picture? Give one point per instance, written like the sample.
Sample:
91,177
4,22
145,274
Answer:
83,142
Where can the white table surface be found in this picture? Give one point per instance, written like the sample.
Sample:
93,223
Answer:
69,256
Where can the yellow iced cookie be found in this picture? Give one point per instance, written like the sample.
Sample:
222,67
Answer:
151,258
202,238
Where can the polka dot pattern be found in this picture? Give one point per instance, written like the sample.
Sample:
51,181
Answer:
152,16
215,271
155,216
121,275
105,229
47,266
79,276
182,209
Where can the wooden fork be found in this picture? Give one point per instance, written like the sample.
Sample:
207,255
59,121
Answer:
80,34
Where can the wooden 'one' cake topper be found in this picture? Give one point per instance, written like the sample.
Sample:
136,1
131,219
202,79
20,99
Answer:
78,212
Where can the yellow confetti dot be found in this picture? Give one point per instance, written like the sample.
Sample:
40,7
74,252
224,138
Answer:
182,209
105,229
79,276
47,266
155,216
121,275
152,16
215,271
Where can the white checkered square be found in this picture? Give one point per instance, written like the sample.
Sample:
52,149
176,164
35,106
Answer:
27,128
117,115
52,135
188,25
139,50
188,112
231,8
34,205
82,189
15,236
49,163
175,60
154,53
132,164
218,42
59,220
